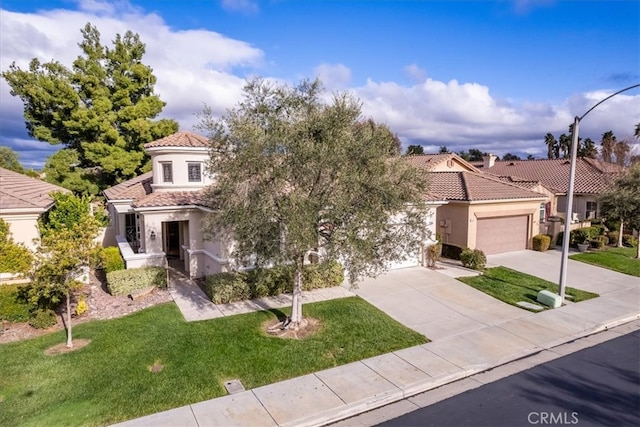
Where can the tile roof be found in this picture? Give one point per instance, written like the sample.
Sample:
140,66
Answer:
431,161
18,191
171,198
180,139
140,192
132,189
473,186
592,176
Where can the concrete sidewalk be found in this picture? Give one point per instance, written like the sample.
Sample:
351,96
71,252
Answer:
471,333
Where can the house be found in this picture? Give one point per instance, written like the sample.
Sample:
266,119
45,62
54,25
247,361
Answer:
159,215
22,200
482,211
592,178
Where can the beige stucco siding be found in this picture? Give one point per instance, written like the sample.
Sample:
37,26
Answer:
451,223
23,227
179,160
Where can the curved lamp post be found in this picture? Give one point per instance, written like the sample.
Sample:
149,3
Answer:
569,210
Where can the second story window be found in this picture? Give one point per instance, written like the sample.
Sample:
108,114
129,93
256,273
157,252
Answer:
195,172
167,172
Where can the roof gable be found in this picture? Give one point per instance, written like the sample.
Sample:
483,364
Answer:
442,162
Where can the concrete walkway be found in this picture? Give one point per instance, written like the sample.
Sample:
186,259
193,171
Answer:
471,333
195,305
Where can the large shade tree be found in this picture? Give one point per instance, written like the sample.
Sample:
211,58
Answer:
101,110
622,201
296,176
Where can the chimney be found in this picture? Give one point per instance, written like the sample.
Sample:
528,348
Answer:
488,161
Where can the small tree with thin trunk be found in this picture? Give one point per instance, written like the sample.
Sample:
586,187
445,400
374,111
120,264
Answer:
622,202
296,176
67,247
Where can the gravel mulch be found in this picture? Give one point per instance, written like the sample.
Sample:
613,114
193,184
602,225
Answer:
102,305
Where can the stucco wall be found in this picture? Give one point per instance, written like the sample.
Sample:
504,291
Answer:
579,205
24,228
463,219
179,160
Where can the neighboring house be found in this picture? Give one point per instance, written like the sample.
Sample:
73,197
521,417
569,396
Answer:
22,200
483,211
592,178
158,215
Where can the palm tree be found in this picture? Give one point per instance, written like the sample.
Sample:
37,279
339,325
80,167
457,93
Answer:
608,142
621,150
552,145
588,149
564,145
637,132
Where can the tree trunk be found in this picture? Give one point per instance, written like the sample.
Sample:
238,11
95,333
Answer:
638,246
69,337
620,234
296,320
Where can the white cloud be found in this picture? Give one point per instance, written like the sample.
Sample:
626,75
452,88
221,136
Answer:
463,116
244,6
333,76
415,73
197,66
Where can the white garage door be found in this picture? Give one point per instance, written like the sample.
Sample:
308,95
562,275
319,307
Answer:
502,234
411,261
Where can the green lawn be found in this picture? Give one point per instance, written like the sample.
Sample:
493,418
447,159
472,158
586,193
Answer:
622,260
512,286
110,381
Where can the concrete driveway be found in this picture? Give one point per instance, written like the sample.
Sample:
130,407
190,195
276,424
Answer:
434,303
546,265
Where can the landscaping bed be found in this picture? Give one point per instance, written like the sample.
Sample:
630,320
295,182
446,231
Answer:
511,286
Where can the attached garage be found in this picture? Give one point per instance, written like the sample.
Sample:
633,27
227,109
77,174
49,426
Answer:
412,260
502,234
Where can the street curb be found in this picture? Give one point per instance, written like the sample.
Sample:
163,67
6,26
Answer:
334,415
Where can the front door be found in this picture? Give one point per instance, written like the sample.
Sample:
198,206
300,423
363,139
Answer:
172,238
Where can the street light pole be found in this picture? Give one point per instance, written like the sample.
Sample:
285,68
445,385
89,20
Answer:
569,204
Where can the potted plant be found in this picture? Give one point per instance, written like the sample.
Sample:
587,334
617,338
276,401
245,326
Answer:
581,238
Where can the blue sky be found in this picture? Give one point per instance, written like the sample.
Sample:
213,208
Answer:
493,75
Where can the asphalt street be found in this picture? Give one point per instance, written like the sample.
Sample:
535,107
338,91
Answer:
597,386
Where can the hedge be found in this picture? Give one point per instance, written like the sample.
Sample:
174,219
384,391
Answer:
123,282
239,286
12,307
111,259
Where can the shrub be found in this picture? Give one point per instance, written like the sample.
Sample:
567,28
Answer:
613,237
434,252
599,242
14,257
263,282
473,258
13,308
541,242
82,307
580,235
43,319
123,282
451,251
111,260
629,241
324,275
222,288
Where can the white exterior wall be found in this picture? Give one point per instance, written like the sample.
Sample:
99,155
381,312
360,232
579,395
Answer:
179,159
